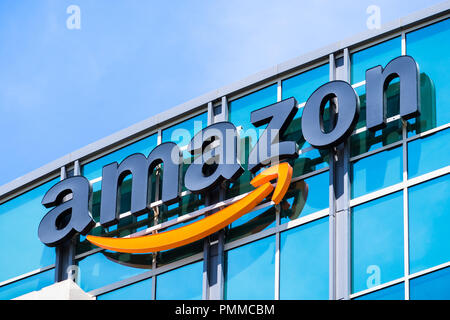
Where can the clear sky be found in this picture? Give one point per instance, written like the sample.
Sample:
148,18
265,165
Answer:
61,89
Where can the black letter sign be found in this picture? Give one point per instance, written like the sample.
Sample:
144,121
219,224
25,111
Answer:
216,165
67,218
277,117
377,81
348,113
140,167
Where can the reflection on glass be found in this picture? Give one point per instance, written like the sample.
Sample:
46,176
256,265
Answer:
396,292
104,268
392,102
377,171
427,118
432,286
172,255
429,153
125,227
251,223
310,160
34,283
429,219
250,271
377,242
303,85
93,169
305,197
187,204
429,46
19,222
379,54
367,140
141,290
184,283
304,269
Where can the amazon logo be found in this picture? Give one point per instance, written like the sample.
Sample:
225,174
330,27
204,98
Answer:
214,150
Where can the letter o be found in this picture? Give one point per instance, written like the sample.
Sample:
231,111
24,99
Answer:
347,115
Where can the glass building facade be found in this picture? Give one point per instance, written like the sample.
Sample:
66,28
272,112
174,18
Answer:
395,242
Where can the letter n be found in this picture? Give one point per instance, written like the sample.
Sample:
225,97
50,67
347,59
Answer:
377,82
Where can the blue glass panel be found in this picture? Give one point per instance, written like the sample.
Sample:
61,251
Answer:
19,223
303,85
429,221
429,153
396,292
183,132
98,270
251,223
34,283
250,271
432,286
377,172
305,197
379,54
377,242
141,290
184,283
429,46
304,269
93,169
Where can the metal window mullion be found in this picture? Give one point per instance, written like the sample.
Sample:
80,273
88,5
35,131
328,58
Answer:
341,203
65,252
214,266
279,90
277,223
153,292
405,192
331,204
156,219
277,253
210,115
405,212
225,112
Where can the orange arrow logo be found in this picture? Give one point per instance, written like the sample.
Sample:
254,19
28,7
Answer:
208,225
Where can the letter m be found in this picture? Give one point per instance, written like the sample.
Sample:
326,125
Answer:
140,168
377,82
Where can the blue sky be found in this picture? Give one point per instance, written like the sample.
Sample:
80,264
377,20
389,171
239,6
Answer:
62,89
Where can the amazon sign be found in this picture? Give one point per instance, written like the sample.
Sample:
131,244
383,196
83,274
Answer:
216,160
